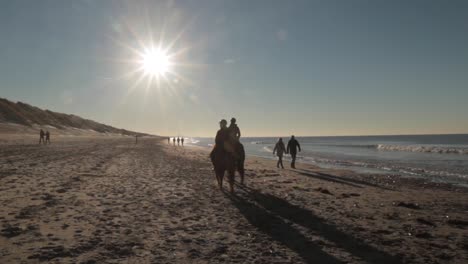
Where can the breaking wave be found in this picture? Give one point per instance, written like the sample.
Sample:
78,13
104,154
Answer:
440,149
267,149
261,142
424,148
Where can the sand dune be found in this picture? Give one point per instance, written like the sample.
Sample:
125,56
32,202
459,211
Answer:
97,200
29,119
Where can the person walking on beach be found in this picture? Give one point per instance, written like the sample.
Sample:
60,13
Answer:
182,141
47,137
173,141
279,149
293,146
41,136
178,141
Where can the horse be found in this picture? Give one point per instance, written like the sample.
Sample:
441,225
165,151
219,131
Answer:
230,161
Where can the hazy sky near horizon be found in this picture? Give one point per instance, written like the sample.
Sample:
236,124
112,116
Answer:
281,67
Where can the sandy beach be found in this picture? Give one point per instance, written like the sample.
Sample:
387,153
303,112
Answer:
109,200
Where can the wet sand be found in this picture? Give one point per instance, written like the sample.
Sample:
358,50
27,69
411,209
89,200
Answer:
111,201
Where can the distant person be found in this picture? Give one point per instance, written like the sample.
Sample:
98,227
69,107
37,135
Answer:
279,149
292,148
41,136
173,141
182,141
178,141
169,140
47,137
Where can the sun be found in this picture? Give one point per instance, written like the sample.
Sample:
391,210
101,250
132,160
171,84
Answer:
155,62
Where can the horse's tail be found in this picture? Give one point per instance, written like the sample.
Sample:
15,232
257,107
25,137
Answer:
241,153
212,155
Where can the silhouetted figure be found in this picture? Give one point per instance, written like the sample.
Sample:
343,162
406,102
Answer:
221,137
234,146
234,131
178,141
169,140
279,149
173,141
224,159
47,137
292,148
41,136
182,141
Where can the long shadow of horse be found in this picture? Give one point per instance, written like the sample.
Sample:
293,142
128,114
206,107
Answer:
338,179
268,214
279,230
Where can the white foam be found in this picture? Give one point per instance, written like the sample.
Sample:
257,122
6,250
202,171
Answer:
267,149
424,148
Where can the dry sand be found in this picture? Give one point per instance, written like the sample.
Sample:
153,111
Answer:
111,201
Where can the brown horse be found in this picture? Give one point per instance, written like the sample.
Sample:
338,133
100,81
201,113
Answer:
227,161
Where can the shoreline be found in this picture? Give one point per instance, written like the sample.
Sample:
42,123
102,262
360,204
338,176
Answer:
409,179
114,201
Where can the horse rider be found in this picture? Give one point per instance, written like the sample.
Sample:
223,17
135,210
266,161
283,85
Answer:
221,137
234,131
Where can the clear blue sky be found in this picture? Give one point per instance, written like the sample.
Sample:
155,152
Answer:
281,67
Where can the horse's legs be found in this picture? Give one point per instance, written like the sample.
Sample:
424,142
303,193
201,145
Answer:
219,177
240,162
241,171
231,174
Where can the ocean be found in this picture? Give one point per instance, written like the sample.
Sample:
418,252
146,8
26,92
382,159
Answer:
439,158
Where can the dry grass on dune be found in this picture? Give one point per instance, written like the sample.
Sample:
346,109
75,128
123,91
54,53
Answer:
27,115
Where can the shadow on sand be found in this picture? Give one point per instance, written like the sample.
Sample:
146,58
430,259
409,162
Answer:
338,179
268,214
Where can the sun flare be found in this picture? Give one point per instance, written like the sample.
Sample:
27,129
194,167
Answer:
155,62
